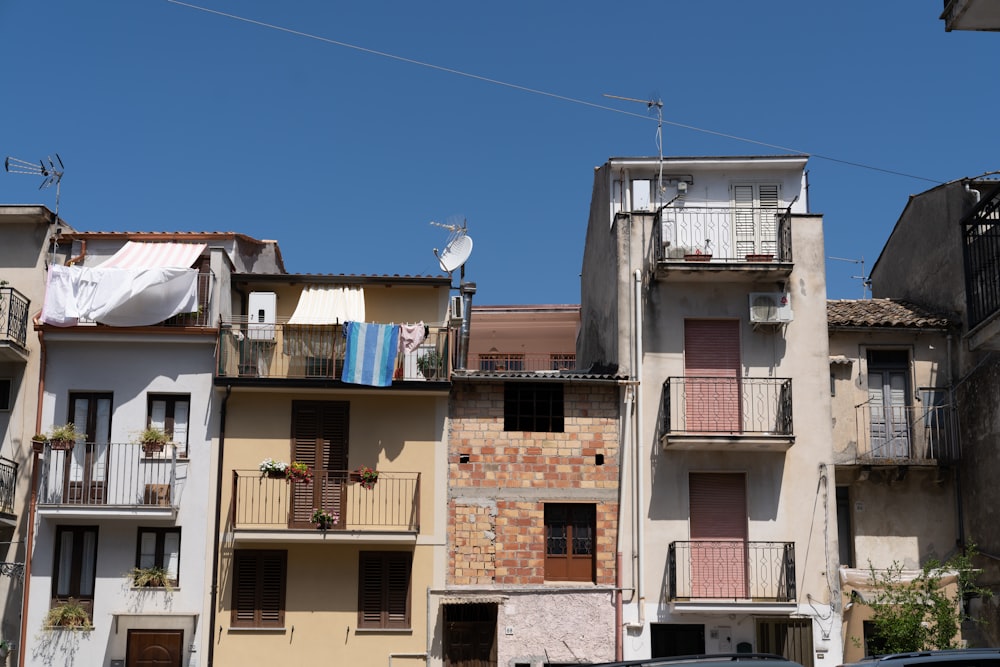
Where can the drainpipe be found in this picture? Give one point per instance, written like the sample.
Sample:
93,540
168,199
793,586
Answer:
462,358
638,462
618,605
33,500
955,433
214,594
624,439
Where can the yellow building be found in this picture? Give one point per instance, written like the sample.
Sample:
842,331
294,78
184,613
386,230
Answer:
330,564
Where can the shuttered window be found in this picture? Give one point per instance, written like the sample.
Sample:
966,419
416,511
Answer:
319,439
384,589
259,588
755,218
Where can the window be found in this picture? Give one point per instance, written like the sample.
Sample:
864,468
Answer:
259,588
170,413
569,541
76,561
159,547
6,391
384,589
533,407
755,218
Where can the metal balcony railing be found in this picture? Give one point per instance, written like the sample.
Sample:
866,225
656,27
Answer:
108,475
732,406
733,570
724,234
203,316
8,483
893,434
316,351
499,361
981,250
13,316
391,504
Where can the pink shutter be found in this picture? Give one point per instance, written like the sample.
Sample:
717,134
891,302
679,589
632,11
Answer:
718,535
712,372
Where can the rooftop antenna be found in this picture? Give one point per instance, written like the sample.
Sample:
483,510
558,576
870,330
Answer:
866,280
654,102
457,249
51,175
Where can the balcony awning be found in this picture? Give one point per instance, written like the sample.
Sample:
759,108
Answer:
320,304
142,284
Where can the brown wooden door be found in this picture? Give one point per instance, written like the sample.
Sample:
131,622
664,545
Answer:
319,439
86,465
712,373
154,648
718,535
470,638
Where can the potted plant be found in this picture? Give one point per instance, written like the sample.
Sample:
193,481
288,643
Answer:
150,577
298,473
69,614
6,646
153,440
325,520
430,364
700,254
367,477
38,442
273,469
762,257
65,436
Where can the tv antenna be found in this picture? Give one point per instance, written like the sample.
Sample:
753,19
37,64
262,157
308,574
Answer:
51,174
866,280
457,249
654,102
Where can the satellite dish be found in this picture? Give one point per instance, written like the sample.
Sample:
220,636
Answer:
458,248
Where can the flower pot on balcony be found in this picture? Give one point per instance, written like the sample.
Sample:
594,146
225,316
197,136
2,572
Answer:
760,258
699,257
152,447
62,445
38,443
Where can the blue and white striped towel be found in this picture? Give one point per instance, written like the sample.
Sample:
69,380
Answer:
371,353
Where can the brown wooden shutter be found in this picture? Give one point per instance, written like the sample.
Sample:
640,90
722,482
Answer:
384,589
259,588
398,590
319,439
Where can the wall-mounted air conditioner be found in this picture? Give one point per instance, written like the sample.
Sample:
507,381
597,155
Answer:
261,307
641,200
457,309
770,307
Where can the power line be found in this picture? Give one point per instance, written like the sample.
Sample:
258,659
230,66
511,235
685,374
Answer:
544,93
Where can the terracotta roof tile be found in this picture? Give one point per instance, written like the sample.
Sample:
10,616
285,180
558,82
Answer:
893,313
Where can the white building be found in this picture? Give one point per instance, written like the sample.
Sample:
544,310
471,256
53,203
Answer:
710,273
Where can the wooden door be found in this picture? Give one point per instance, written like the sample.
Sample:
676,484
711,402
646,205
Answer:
712,373
319,439
470,638
718,535
86,465
888,399
154,648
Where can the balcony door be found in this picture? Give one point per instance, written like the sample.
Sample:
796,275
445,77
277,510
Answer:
887,398
712,376
319,439
755,218
86,469
718,535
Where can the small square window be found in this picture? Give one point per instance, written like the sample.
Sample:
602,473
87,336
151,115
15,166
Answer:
171,413
533,406
160,547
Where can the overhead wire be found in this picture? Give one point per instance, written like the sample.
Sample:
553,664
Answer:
544,93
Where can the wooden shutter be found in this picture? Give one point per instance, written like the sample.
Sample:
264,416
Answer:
384,589
319,439
718,535
712,370
259,588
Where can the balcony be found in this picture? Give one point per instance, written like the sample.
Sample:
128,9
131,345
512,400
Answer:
13,325
273,509
316,352
715,243
893,435
116,480
732,575
8,485
726,414
981,256
499,362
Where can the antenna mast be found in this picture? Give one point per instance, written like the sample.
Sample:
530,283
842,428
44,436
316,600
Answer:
866,280
651,103
52,175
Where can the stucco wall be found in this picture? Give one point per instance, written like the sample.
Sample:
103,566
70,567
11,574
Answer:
561,627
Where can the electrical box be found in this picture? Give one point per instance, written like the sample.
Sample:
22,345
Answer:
640,196
262,307
457,308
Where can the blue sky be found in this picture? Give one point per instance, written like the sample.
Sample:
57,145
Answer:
172,118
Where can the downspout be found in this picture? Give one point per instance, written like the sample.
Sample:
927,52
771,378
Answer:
622,469
618,603
214,595
638,462
955,432
33,500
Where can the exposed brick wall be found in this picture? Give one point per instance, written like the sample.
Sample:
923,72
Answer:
496,532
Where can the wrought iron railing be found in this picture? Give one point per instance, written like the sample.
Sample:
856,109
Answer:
733,405
13,316
724,234
981,249
500,361
316,351
8,483
391,504
892,434
734,570
203,316
109,475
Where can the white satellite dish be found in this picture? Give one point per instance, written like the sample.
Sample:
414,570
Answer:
457,250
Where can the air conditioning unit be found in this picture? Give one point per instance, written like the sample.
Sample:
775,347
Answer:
770,307
457,308
262,307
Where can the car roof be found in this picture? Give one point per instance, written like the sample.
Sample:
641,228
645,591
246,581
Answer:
967,656
707,660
